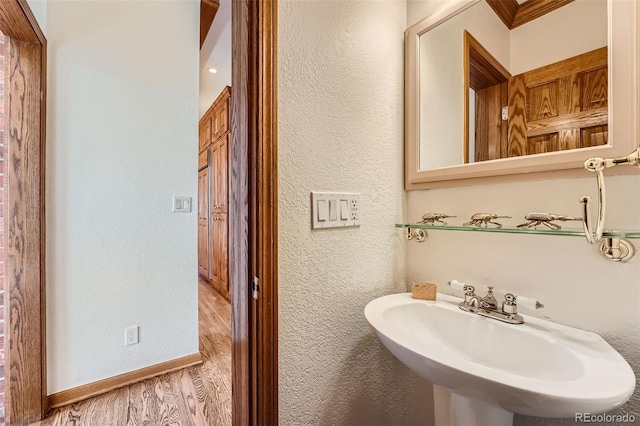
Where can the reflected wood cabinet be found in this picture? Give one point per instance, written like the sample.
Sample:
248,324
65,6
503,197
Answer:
203,221
213,193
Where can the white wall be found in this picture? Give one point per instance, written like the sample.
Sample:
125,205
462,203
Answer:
577,286
216,53
441,81
340,129
531,42
39,9
121,142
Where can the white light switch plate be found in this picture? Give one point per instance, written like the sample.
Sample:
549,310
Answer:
182,204
335,210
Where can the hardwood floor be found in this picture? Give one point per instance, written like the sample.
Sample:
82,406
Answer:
198,396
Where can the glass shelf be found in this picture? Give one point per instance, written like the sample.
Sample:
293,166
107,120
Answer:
535,231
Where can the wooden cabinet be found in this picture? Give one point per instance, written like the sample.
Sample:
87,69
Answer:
205,132
203,222
215,123
219,161
214,248
220,254
220,118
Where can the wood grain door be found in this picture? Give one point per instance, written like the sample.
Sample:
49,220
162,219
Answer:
203,222
214,255
222,261
560,106
205,133
222,162
223,118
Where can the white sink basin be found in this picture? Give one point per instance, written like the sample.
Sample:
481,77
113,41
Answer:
538,368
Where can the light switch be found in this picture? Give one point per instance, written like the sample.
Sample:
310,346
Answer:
344,210
182,204
333,210
322,210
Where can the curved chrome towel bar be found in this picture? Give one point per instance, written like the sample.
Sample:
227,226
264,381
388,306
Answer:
597,165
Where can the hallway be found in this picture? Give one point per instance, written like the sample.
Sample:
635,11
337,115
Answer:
199,396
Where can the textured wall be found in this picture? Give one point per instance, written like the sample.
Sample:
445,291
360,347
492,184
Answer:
577,286
121,142
340,129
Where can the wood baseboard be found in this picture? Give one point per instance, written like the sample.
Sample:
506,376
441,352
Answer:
89,390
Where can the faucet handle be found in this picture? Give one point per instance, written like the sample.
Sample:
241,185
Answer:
511,302
469,290
529,302
509,305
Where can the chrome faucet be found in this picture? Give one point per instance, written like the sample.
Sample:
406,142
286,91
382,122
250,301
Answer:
487,306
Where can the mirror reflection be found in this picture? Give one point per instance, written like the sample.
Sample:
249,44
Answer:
519,88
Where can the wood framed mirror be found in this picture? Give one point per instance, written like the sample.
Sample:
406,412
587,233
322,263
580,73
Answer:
442,155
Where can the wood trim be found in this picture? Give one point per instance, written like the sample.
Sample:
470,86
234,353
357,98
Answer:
99,387
25,106
513,14
16,24
241,328
253,221
505,9
267,219
488,65
208,10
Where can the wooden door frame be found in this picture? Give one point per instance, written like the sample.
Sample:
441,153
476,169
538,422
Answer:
253,222
24,296
253,212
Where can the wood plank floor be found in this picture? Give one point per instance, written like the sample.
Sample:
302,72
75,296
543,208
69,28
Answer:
198,396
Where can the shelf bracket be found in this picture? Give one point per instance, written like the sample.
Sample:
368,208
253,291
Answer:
416,234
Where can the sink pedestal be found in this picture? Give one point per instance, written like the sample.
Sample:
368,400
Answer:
455,410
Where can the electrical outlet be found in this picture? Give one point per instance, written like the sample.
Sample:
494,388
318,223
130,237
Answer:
354,203
131,335
354,215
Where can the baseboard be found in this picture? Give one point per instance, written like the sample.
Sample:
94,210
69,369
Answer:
89,390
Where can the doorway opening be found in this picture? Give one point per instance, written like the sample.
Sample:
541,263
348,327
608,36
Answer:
215,138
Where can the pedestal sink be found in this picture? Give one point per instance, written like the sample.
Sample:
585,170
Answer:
485,370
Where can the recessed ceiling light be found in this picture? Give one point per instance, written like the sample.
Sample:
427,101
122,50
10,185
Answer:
212,70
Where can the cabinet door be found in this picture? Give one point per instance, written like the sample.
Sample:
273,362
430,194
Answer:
222,172
203,223
214,255
222,235
215,153
205,133
219,173
223,118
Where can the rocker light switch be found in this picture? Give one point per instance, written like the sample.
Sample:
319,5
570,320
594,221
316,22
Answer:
344,210
333,210
182,204
322,210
